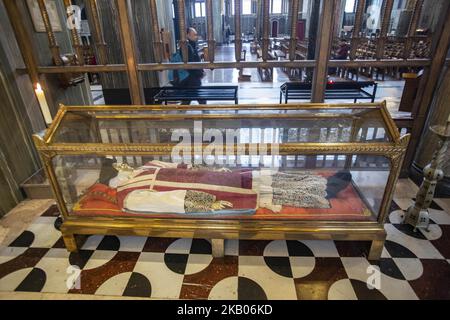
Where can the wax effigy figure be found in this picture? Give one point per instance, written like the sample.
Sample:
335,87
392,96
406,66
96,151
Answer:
162,187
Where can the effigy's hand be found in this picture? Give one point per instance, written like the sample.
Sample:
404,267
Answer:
122,167
220,205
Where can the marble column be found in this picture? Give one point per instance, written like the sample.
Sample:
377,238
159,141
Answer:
218,21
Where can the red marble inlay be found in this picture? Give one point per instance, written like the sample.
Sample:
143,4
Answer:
199,285
92,279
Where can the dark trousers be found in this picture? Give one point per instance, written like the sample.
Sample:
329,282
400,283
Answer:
191,81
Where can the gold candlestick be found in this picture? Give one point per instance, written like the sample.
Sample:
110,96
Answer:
418,214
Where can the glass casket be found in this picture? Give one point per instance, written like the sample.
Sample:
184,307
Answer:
308,171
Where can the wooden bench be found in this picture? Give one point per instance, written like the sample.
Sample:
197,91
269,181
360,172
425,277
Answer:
266,74
207,93
412,81
334,91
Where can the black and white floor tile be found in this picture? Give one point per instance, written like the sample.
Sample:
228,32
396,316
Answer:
414,265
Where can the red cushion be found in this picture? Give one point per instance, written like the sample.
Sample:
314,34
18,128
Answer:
100,192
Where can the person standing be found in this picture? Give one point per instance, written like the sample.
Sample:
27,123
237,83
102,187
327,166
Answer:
195,75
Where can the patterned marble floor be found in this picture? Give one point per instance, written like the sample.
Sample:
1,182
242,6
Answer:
413,265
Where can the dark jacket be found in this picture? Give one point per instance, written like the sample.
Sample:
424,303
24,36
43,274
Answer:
194,57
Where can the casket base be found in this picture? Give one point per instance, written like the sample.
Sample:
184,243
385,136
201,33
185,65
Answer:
220,230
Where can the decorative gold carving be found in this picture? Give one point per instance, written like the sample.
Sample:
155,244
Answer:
97,32
76,41
286,149
56,54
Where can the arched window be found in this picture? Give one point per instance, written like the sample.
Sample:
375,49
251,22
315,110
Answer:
200,9
349,6
246,7
277,6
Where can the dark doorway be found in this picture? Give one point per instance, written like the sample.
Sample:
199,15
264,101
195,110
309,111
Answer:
274,29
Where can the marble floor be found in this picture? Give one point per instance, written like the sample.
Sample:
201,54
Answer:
35,265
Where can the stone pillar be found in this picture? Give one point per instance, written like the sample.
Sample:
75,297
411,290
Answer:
165,19
109,18
306,14
218,21
339,14
313,27
312,34
439,114
144,39
431,12
114,83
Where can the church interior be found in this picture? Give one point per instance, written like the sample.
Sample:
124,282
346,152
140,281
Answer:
225,149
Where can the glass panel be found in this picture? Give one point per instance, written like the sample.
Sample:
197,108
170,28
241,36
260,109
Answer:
295,187
321,125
